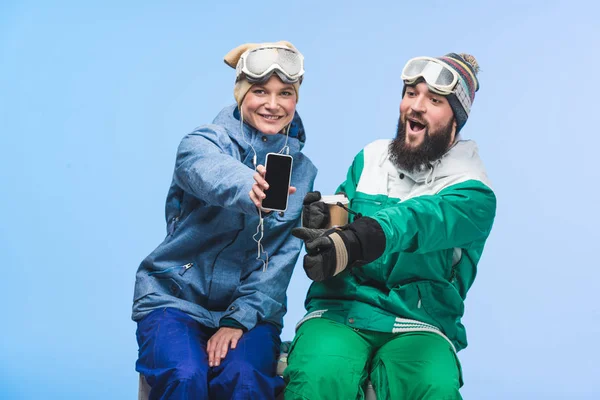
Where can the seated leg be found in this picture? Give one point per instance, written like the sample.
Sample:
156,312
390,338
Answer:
416,365
172,355
327,360
248,371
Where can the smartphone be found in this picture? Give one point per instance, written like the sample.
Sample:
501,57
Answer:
278,176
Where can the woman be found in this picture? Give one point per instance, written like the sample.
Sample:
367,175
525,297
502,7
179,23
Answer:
210,300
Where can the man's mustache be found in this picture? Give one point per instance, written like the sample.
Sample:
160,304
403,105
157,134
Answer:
415,117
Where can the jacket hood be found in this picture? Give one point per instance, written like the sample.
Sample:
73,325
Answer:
461,159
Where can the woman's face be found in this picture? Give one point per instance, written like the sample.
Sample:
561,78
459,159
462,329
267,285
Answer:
269,106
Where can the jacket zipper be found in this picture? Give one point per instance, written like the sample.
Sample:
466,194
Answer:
212,270
453,273
172,227
184,268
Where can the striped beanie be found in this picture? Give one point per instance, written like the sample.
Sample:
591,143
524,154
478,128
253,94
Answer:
461,100
464,94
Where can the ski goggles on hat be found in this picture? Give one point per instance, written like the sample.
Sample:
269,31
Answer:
439,76
258,64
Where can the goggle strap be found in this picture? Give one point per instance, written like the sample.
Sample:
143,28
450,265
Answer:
462,96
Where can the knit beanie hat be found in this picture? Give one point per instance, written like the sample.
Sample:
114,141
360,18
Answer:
242,85
462,98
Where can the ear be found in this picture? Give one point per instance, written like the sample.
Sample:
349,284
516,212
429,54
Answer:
453,136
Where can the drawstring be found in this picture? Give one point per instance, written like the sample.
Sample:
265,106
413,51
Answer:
358,215
285,147
431,175
260,228
260,231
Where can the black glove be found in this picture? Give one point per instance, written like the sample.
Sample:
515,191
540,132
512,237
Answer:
329,252
315,213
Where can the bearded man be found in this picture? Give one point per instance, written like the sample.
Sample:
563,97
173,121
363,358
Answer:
389,288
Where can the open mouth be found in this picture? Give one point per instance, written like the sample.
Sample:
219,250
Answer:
271,117
415,126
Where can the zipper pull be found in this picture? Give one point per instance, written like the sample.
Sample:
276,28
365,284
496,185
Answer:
185,268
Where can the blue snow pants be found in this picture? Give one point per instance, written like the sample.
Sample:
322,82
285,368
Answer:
173,359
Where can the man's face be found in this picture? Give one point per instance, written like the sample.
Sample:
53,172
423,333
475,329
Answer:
426,128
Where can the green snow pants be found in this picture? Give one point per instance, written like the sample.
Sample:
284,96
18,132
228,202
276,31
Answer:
331,361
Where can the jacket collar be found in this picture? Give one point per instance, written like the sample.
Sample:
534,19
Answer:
459,159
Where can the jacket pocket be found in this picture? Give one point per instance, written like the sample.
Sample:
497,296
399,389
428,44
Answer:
179,269
442,303
168,280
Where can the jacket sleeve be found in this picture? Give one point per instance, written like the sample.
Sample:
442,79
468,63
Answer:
262,295
209,167
458,216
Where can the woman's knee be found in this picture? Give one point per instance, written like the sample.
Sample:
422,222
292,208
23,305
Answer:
185,380
241,379
240,367
189,371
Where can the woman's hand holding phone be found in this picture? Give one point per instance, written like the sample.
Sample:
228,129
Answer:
257,194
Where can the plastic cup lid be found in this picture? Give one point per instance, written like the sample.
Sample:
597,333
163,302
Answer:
334,199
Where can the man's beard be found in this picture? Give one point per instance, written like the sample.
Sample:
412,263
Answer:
410,159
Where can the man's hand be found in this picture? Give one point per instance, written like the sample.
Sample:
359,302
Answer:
329,252
320,260
257,194
315,213
220,343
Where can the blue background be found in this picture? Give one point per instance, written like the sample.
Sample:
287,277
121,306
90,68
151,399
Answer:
95,97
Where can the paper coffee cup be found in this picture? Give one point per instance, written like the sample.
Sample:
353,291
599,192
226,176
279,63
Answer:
338,216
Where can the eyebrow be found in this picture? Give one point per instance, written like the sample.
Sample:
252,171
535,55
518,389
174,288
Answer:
436,95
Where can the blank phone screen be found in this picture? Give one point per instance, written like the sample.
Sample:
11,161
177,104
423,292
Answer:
279,168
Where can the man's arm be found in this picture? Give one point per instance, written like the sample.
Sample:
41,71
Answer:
457,216
209,168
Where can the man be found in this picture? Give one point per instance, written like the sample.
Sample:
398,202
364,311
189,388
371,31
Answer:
387,300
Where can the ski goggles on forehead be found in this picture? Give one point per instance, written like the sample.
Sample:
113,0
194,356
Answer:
258,64
438,76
